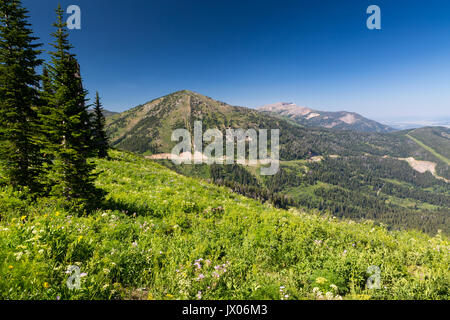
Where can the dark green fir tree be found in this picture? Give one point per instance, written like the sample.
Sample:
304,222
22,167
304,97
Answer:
20,145
98,127
68,124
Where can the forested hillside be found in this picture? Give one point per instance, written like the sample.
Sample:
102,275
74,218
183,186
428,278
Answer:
436,138
385,190
349,174
147,129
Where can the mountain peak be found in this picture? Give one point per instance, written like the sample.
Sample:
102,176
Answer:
286,109
185,91
337,120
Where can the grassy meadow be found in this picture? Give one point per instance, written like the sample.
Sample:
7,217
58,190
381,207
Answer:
160,235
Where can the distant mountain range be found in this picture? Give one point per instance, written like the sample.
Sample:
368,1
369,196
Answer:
147,128
106,113
342,120
414,124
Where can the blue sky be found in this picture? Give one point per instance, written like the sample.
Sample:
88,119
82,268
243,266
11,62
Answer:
249,53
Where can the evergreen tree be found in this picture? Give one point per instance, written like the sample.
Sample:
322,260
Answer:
68,122
46,81
20,146
46,98
49,137
100,138
46,94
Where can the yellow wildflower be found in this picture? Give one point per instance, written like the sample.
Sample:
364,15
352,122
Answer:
22,218
46,285
10,267
321,280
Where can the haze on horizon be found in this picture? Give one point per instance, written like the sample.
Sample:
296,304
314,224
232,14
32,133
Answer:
319,55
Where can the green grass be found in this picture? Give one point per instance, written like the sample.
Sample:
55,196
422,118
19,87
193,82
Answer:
437,138
398,182
411,203
164,236
306,190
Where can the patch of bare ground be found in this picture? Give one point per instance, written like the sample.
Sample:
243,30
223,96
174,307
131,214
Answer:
189,157
320,158
423,166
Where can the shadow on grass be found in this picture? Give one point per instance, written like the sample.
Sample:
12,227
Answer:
127,208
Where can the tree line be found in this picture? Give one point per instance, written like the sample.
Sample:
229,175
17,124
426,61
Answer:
47,134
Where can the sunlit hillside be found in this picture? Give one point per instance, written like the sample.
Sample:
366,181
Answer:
161,235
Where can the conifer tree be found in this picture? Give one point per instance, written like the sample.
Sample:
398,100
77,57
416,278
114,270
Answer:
68,122
20,146
46,93
100,138
49,138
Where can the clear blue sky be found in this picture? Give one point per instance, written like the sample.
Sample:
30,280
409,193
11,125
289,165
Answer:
249,53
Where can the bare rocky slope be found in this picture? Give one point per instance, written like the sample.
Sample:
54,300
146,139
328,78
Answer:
342,120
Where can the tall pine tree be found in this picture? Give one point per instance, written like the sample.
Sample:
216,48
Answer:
20,146
98,125
68,123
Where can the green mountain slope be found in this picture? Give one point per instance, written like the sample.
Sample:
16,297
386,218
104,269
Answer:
434,139
388,191
147,129
347,173
165,236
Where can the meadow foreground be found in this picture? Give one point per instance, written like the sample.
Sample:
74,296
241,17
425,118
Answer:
160,235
